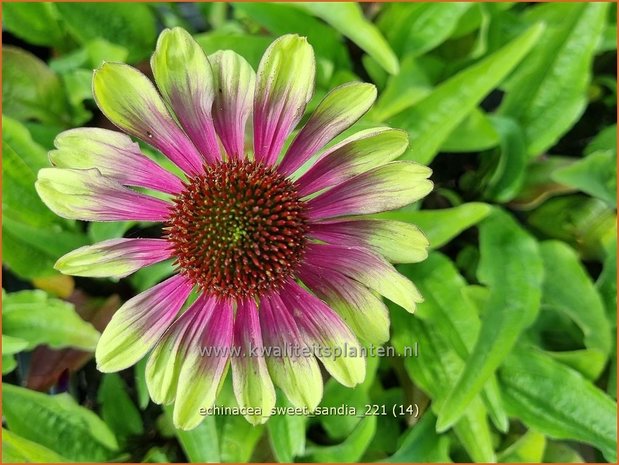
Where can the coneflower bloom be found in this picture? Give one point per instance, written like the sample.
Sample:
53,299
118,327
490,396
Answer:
286,268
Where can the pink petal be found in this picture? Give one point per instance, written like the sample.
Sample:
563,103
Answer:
87,195
139,323
234,93
324,330
130,101
339,110
204,367
284,85
114,257
185,79
115,155
384,188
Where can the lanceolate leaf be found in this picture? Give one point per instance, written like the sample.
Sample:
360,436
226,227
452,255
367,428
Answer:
594,175
286,433
511,267
548,93
558,401
447,308
132,26
58,423
16,449
580,299
38,319
421,27
431,120
200,444
422,444
352,448
348,19
435,371
30,90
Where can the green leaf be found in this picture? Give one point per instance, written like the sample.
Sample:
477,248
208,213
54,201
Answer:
588,224
31,252
557,401
594,174
30,90
280,19
16,449
421,444
607,282
568,288
36,23
508,175
130,26
33,237
441,226
548,93
558,452
98,232
606,139
454,316
147,277
38,319
286,433
10,346
100,50
335,395
351,449
156,455
238,438
473,134
347,18
538,185
418,28
58,423
403,90
589,362
512,268
201,444
117,409
140,383
435,372
529,448
13,345
430,122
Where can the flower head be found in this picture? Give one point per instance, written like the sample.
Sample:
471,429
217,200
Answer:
284,264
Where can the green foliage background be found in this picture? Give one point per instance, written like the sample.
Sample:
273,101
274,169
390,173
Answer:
513,106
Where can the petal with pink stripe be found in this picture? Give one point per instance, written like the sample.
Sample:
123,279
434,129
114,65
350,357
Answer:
139,323
366,267
339,110
165,362
89,196
384,188
359,307
334,343
185,79
130,101
397,241
252,384
204,368
113,258
284,85
235,81
290,361
115,155
355,155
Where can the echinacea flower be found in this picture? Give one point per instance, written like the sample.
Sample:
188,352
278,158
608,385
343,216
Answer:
279,254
